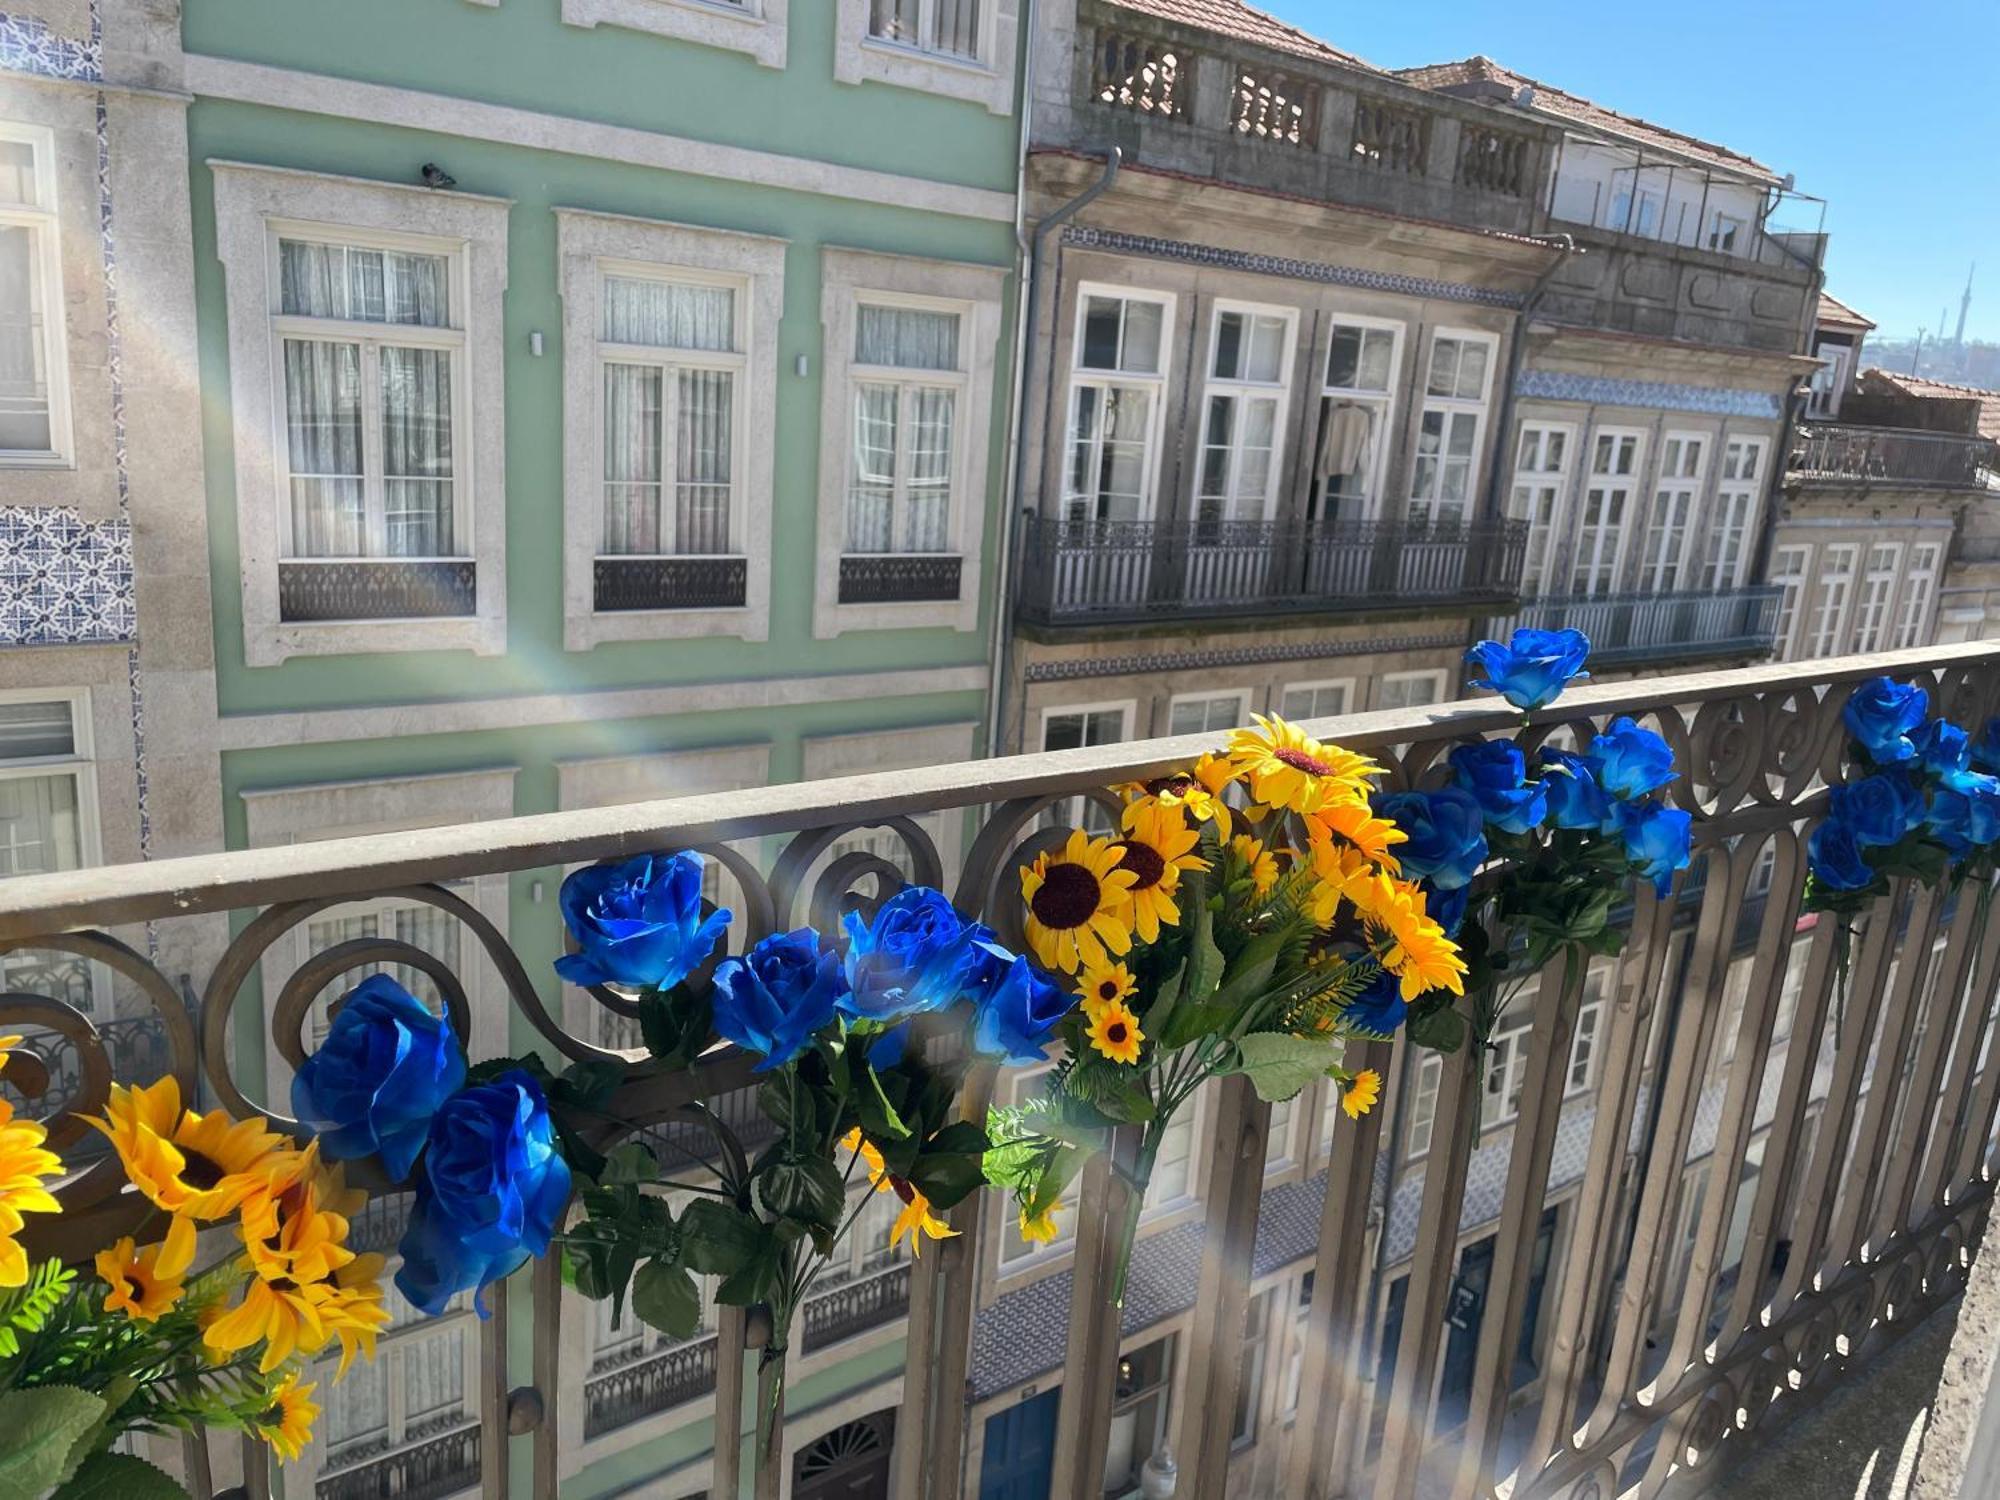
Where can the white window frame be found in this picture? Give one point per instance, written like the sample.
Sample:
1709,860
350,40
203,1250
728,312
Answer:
80,765
1450,407
1919,593
45,224
1071,810
850,279
590,246
1538,488
1436,676
1665,543
1241,507
1612,539
1318,685
986,79
254,206
1728,241
1507,1061
1791,570
1012,1255
755,27
1738,496
1382,403
1158,382
1241,695
1882,566
1832,612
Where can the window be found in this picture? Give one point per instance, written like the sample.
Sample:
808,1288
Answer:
1250,1370
1663,560
1607,501
1423,1103
1138,1413
1295,1353
1356,405
1507,1065
420,1384
1788,571
368,403
1829,381
961,49
756,27
1878,585
1725,232
1541,475
947,26
1071,729
413,922
1117,388
48,822
1024,1084
1836,581
1315,700
1278,1137
1917,591
1243,412
1448,430
1629,217
34,367
1409,689
1173,1168
908,404
1206,713
1727,551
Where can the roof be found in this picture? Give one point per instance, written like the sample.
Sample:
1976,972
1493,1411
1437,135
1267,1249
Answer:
1944,390
1549,100
1232,18
1833,311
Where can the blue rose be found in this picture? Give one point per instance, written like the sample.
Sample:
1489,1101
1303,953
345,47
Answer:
492,1191
774,998
1882,715
638,923
1656,840
372,1087
918,954
1878,810
1965,812
1630,761
1835,858
1533,668
1495,772
1986,749
1447,908
1015,1017
1942,746
1575,799
1444,833
1379,1009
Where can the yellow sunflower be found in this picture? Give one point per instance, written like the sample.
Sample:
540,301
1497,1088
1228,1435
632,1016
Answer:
353,1311
1078,903
1406,941
1042,1228
1355,821
146,1283
204,1166
1114,1031
1344,873
916,1220
861,1146
1100,984
1198,791
285,1315
1287,768
25,1165
287,1423
1259,862
301,1232
1361,1092
1156,848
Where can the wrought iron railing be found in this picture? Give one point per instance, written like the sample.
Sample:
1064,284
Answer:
1625,629
857,1306
624,583
1836,453
1117,572
429,1470
646,1387
1700,1301
898,577
376,588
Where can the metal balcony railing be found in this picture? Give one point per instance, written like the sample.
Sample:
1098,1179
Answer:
1135,572
857,1306
1629,629
1840,454
1744,1222
376,588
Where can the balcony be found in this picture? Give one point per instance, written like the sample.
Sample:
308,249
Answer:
899,577
1651,629
376,588
1165,572
714,582
1748,1206
1844,456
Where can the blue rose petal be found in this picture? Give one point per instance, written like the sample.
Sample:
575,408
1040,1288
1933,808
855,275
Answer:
379,1078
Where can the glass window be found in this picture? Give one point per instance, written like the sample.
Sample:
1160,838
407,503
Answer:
1918,589
1205,715
905,436
1116,391
1506,1068
1607,502
1727,551
1878,585
1315,700
1250,1374
1541,472
1409,689
1071,729
1662,562
1448,430
1138,1413
950,27
33,401
45,825
1278,1139
1027,1083
1354,411
1243,414
1836,583
1788,571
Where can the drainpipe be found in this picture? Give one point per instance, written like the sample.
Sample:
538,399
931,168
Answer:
1033,247
1515,353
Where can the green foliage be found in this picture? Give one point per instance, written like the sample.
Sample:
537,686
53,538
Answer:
665,1297
38,1429
27,1308
119,1476
1434,1024
1279,1066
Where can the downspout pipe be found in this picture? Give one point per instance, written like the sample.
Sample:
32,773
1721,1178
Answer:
1516,352
1034,247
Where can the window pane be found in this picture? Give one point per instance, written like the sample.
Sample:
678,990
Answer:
39,825
935,415
1141,351
1472,372
911,337
17,174
957,28
669,314
24,392
632,396
30,731
703,443
873,486
416,453
362,285
1101,321
1229,346
895,20
323,442
1444,367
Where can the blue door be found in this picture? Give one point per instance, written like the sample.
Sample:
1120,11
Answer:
1020,1450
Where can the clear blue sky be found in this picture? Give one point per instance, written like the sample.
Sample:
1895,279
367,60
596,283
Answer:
1888,109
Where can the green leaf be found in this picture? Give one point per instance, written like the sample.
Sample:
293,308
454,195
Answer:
1162,1004
1439,1028
718,1239
806,1190
674,1024
632,1163
758,1280
1278,1066
1057,1175
1124,1098
948,1177
880,1121
665,1297
1251,971
1190,1023
37,1429
120,1476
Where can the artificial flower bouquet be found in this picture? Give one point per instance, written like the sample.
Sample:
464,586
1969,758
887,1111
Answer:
1206,940
145,1342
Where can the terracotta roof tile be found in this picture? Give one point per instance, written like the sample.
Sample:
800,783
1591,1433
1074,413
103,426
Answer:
1833,310
1583,112
1233,18
1944,390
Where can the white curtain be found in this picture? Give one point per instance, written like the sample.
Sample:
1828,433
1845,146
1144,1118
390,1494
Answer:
632,396
958,27
871,494
895,20
24,400
703,443
416,453
899,493
669,314
909,337
362,285
956,24
323,437
38,825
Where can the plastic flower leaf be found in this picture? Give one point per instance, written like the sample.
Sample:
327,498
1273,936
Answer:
1531,670
638,922
372,1087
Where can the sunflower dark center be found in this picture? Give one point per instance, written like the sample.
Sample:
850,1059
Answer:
133,1289
1160,786
1067,898
903,1189
1107,989
1116,1033
284,1284
1144,861
1298,760
200,1173
273,1417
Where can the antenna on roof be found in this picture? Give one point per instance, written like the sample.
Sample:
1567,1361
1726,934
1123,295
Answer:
1789,181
